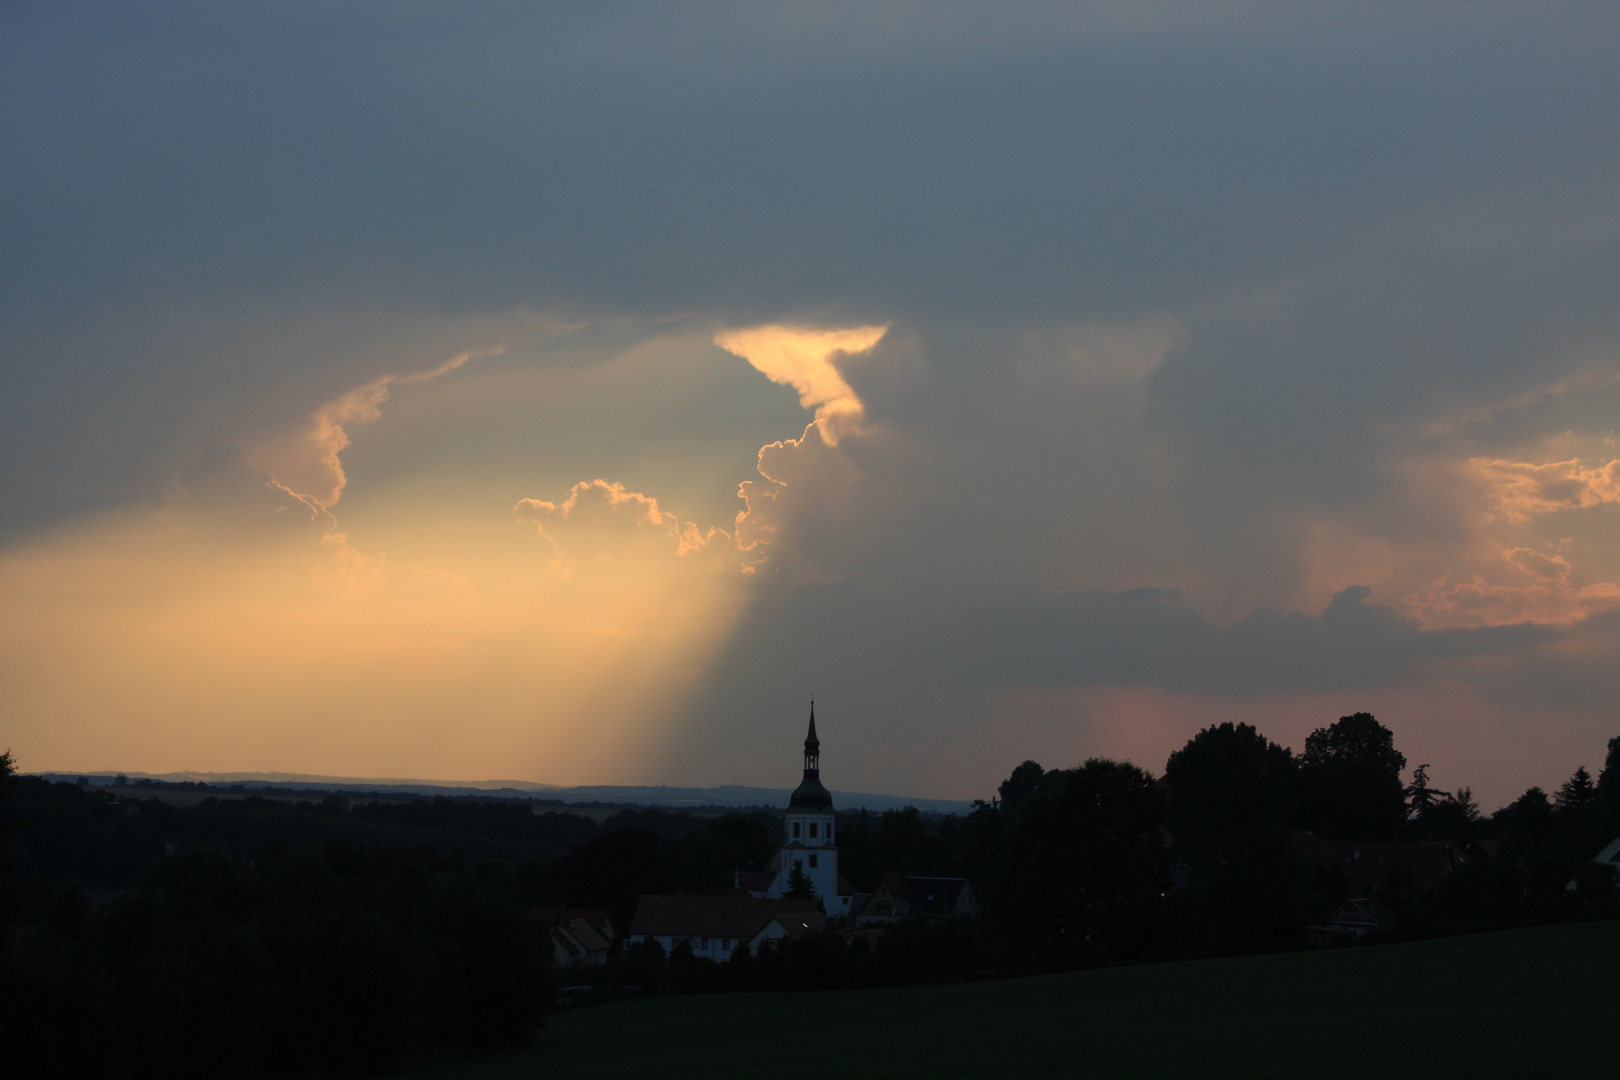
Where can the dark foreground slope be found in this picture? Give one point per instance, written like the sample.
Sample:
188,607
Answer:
1534,1002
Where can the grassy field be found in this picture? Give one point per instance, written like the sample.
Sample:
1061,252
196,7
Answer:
1520,1003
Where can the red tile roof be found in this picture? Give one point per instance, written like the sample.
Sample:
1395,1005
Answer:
584,933
714,916
598,918
799,923
935,897
754,880
1367,864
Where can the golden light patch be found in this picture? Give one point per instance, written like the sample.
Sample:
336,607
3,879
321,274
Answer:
802,357
309,461
159,641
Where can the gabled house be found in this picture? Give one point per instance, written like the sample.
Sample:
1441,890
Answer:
577,934
1351,921
1608,856
600,919
932,899
576,941
713,926
1367,865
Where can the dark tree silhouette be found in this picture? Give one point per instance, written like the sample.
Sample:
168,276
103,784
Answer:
10,900
1608,781
1420,796
1350,781
613,871
1358,737
1578,792
799,885
1083,868
1227,778
1256,897
1528,819
1453,817
1024,782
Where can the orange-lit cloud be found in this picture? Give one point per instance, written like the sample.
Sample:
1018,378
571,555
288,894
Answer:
804,358
600,522
239,625
1519,491
800,480
309,463
1539,589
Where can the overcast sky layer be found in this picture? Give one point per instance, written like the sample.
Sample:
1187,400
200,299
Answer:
566,393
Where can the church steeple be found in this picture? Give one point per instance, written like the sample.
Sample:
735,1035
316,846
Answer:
810,795
812,747
809,845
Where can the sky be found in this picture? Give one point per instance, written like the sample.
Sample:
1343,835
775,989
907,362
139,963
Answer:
566,393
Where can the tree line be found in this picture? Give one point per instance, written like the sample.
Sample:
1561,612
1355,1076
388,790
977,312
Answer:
1103,862
256,936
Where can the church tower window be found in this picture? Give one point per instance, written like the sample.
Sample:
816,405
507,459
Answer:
812,830
795,830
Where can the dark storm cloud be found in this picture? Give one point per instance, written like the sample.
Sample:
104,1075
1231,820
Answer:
967,166
1150,637
659,158
1138,637
1208,298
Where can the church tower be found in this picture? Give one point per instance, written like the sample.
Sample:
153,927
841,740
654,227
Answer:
807,834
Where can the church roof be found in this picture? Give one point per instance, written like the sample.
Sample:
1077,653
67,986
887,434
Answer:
810,795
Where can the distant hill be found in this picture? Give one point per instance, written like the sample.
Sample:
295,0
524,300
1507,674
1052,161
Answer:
676,797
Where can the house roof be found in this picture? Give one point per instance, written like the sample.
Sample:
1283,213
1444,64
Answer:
584,933
933,896
1361,912
1367,864
1610,853
799,923
712,916
597,918
754,880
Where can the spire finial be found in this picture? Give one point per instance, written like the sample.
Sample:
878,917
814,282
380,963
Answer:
812,745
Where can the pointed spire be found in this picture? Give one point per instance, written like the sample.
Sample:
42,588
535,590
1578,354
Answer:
810,795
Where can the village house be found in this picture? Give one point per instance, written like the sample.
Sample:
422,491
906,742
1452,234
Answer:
1366,865
578,935
760,909
931,899
1351,920
715,926
1608,856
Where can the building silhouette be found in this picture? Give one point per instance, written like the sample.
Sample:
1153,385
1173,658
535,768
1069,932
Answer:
809,842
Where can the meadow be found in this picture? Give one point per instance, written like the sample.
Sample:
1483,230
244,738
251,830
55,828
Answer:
1542,1001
